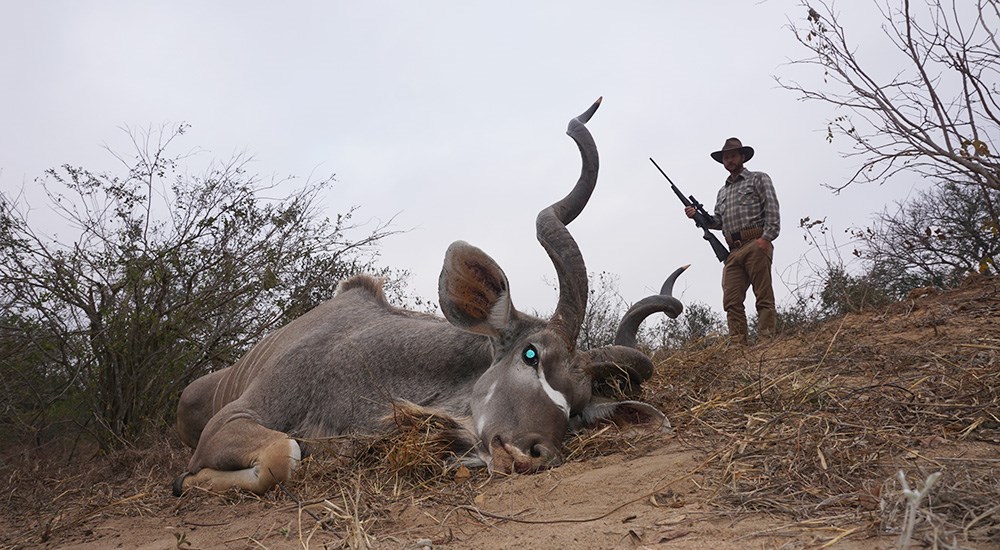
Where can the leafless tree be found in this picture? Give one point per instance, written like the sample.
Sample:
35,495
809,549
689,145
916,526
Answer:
925,103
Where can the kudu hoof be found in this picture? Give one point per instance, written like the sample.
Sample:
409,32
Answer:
179,484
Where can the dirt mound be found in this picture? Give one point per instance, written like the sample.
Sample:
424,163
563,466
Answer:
801,441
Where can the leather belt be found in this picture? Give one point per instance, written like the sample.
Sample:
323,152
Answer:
736,239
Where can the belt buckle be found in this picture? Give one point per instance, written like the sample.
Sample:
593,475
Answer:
737,244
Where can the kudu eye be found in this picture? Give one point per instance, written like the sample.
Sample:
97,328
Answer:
530,356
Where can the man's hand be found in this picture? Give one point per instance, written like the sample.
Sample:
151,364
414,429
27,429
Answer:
765,244
689,211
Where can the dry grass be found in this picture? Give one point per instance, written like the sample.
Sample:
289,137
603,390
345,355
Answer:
818,425
44,496
343,492
811,428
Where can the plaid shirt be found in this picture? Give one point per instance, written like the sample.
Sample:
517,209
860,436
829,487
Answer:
748,200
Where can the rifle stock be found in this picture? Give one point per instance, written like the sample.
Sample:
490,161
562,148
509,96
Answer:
701,217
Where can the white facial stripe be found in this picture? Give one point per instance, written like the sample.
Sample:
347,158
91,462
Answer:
557,397
489,394
481,421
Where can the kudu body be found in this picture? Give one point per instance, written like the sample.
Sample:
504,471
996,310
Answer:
511,383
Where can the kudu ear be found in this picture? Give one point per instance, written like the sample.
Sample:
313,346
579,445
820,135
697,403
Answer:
621,413
473,291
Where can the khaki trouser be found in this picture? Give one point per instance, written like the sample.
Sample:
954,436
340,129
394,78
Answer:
748,266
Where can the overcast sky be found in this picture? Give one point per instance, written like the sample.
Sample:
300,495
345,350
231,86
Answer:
452,116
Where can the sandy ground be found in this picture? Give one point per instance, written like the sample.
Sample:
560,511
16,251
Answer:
655,500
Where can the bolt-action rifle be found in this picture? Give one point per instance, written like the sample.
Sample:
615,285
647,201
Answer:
701,218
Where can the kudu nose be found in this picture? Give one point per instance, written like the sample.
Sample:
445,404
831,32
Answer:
527,454
542,452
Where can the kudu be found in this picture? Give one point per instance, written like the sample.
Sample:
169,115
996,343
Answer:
512,385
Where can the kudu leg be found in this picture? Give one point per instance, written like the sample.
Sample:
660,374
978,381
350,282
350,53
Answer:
243,454
194,410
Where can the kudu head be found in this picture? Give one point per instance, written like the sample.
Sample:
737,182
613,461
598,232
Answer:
538,385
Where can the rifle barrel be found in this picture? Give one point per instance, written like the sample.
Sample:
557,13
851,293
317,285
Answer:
676,191
661,170
700,217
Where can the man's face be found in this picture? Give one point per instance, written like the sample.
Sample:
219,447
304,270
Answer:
733,160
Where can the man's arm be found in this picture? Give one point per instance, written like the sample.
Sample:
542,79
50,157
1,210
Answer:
712,221
715,220
772,217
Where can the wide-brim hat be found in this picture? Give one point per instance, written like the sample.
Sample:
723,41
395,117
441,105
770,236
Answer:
733,144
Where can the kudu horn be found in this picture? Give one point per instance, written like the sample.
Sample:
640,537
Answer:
559,244
664,301
621,364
